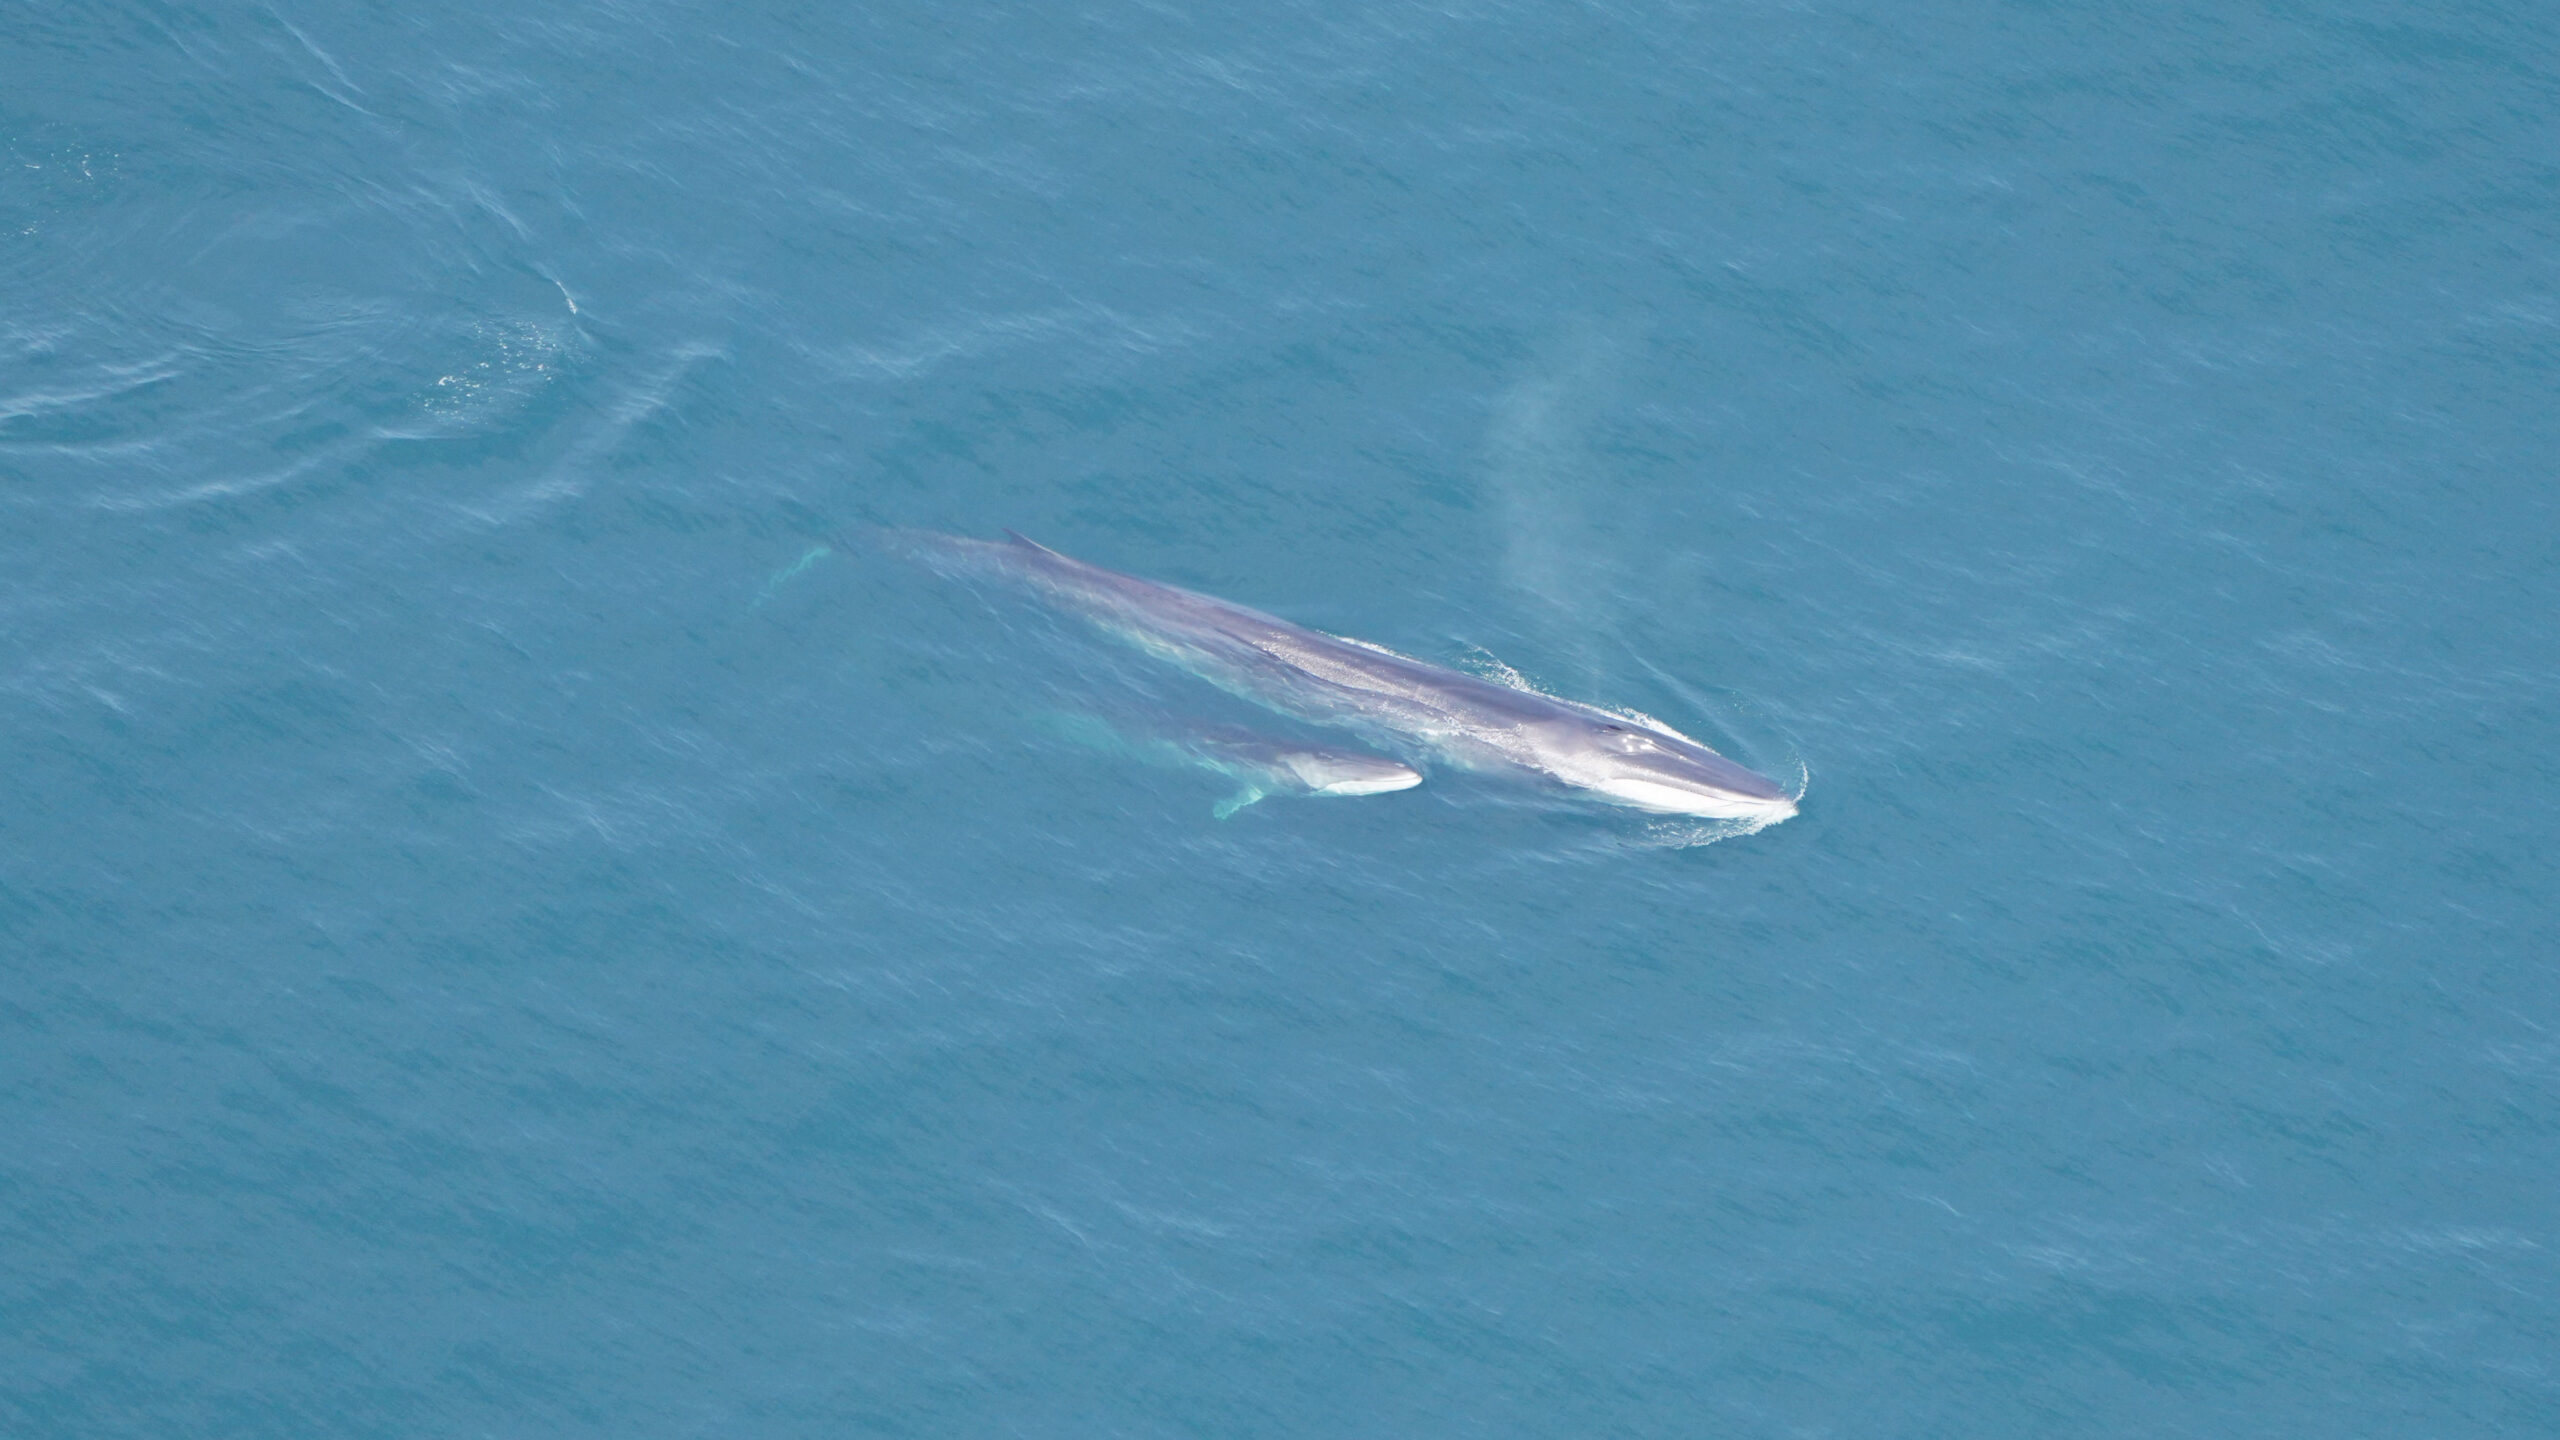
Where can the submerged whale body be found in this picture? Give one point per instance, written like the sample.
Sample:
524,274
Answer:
1278,767
1394,700
1260,764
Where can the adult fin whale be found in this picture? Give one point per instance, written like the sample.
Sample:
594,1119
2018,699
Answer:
1393,700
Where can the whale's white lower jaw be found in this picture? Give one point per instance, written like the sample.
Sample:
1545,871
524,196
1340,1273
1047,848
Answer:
1675,800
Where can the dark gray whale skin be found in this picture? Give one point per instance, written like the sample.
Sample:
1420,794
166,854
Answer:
1393,700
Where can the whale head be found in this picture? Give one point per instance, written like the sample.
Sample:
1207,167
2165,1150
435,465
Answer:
1669,774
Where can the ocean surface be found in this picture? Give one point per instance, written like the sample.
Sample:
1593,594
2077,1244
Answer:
510,928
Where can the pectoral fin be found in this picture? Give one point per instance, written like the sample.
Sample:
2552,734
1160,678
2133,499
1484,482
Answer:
1238,801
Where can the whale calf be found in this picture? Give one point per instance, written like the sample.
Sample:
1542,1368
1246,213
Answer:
1260,764
1276,767
1392,700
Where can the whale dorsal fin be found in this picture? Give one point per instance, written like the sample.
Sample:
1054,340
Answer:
1018,538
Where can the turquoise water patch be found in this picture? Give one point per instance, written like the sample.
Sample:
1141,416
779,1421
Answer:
508,927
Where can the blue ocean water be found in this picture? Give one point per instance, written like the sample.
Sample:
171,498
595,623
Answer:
505,931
